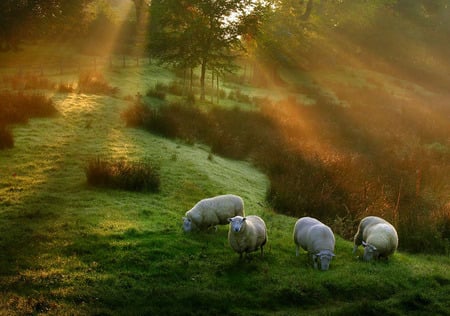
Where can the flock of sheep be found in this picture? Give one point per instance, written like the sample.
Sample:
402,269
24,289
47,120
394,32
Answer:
249,233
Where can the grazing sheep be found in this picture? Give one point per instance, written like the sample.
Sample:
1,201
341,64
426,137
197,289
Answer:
316,238
378,237
247,234
213,211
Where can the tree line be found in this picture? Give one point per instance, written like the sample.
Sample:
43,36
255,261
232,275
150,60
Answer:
212,35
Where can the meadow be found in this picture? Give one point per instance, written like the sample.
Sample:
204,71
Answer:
69,248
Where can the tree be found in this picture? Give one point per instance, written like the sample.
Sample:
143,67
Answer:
193,33
21,19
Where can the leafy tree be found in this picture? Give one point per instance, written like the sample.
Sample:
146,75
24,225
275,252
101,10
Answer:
21,19
193,33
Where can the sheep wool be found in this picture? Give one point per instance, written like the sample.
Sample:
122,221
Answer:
247,234
317,239
213,211
378,237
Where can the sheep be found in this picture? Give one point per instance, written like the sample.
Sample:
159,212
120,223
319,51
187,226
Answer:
317,239
213,211
378,237
247,234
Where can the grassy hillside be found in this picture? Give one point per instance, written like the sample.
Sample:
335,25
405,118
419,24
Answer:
70,249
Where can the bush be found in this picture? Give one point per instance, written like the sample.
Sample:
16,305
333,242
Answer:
120,174
137,115
19,107
65,88
94,82
6,137
156,93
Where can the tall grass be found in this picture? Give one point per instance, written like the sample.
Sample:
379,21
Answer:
121,174
95,82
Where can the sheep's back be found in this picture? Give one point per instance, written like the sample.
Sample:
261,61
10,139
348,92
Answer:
320,237
301,230
384,237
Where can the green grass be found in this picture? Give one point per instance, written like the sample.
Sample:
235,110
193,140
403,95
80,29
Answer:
70,249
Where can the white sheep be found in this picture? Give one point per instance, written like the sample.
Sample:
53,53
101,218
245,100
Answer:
247,234
317,239
213,211
379,238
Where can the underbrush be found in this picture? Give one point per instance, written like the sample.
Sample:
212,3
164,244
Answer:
320,165
121,174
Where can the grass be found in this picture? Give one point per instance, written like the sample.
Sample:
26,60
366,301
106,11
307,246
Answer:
70,249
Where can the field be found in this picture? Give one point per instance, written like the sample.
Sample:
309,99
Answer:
67,248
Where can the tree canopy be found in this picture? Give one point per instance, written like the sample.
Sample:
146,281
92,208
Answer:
25,19
195,33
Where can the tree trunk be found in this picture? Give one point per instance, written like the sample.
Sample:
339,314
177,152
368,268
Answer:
202,80
308,10
142,16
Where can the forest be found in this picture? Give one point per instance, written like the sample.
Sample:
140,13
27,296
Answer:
116,116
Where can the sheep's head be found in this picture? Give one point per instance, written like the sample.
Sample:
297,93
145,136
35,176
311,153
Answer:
324,258
187,224
236,223
370,251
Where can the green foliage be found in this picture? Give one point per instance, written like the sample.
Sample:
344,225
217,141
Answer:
193,34
121,174
39,19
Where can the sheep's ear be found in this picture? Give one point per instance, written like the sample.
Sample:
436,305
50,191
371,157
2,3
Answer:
364,243
244,219
229,219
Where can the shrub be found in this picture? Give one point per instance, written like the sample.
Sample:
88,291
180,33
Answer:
19,107
65,88
156,93
121,174
94,82
137,115
6,137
